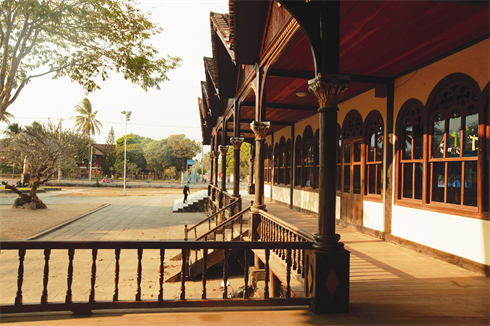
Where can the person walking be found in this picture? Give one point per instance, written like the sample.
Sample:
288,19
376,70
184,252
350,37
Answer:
186,190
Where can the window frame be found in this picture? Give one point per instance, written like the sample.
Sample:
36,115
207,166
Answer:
374,124
428,114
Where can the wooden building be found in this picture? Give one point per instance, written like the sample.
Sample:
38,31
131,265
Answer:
369,114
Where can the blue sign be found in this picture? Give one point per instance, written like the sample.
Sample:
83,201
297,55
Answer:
190,162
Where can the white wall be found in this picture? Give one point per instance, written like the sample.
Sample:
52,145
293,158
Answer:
337,207
306,200
267,190
460,236
282,194
373,215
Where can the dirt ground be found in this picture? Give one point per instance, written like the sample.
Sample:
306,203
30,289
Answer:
22,223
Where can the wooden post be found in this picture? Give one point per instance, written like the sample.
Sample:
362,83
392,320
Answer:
327,265
260,130
237,144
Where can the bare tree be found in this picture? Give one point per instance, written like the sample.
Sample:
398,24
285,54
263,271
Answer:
45,148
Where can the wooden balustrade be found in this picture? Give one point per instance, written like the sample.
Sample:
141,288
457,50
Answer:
211,217
274,229
185,247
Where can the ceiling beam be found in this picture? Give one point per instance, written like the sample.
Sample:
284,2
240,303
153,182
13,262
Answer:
282,106
304,74
278,123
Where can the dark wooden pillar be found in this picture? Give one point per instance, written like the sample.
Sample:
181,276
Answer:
260,130
216,156
237,144
328,262
292,169
223,149
251,185
388,146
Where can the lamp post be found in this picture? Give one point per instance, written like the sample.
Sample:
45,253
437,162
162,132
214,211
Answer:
127,114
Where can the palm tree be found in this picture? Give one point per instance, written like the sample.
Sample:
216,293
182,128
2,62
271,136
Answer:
6,117
86,123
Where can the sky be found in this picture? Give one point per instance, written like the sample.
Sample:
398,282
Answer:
155,114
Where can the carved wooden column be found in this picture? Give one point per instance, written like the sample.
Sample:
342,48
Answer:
328,263
216,156
260,130
251,186
327,90
211,174
237,144
223,150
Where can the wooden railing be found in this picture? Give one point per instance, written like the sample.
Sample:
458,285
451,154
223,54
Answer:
224,199
274,229
123,255
221,227
209,219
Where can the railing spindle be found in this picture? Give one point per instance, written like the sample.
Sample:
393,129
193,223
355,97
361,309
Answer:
115,297
204,273
295,251
183,274
93,276
225,274
245,276
288,273
266,280
44,297
20,277
69,281
162,275
185,232
138,276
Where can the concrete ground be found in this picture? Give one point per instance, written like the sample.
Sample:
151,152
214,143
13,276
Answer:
390,285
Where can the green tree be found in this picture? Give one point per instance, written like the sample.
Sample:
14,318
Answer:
156,154
7,117
134,150
12,129
87,123
45,148
109,157
84,40
244,160
182,150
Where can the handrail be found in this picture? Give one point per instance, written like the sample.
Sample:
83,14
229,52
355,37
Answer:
306,235
212,215
231,219
16,297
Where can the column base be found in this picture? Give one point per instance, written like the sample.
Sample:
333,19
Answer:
327,281
328,243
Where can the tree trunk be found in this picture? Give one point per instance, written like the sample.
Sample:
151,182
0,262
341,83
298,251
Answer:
28,198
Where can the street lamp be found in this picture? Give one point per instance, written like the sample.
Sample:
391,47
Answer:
127,114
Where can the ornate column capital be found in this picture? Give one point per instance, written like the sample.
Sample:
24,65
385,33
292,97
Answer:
215,154
260,129
237,142
328,88
223,149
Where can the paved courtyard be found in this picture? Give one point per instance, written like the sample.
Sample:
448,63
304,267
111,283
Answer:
390,285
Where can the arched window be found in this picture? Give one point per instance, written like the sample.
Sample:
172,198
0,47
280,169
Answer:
308,158
282,160
486,164
298,175
269,160
276,163
287,179
316,159
374,153
411,146
352,149
339,158
453,142
267,167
